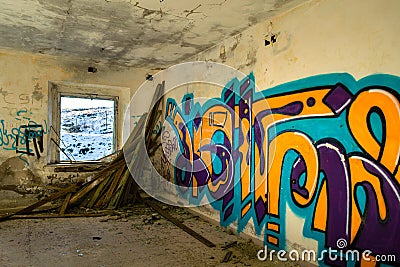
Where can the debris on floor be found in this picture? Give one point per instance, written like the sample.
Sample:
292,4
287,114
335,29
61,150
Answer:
123,239
111,187
132,231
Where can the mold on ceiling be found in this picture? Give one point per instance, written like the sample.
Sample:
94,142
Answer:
151,33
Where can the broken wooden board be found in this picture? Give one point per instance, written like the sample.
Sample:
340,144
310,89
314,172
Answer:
52,216
30,208
65,204
185,228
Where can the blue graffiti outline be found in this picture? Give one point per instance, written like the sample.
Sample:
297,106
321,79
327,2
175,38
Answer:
386,81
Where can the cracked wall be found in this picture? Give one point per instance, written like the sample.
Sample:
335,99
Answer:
24,102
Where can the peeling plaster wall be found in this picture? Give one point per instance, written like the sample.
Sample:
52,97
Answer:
347,47
24,97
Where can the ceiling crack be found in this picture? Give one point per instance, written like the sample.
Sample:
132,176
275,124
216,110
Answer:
192,11
218,4
67,14
147,11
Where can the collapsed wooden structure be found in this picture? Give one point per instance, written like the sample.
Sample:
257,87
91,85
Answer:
113,186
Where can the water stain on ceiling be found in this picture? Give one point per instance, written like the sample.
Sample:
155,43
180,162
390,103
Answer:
151,33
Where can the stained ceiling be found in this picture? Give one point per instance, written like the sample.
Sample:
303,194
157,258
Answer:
151,33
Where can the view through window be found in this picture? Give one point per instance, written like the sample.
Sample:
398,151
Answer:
86,128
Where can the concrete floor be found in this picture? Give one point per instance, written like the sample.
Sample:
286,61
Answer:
137,237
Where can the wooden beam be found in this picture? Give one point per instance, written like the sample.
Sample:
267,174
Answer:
179,224
30,208
51,216
65,204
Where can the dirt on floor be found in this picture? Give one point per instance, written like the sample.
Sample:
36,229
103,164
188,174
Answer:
134,236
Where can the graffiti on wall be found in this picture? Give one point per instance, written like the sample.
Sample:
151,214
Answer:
11,101
19,132
24,136
32,134
327,147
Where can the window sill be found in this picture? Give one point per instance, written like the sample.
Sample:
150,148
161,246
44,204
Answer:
88,166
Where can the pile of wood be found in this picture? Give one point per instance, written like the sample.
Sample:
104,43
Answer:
113,186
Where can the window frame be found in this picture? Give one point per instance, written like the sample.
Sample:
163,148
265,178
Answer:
90,91
115,128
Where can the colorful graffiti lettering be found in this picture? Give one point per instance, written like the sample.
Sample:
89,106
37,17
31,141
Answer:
327,147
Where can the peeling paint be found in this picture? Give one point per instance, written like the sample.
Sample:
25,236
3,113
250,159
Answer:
75,28
192,11
13,172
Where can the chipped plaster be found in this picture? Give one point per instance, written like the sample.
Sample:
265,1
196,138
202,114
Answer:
150,34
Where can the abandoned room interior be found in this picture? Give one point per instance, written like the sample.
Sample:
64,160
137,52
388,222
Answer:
199,133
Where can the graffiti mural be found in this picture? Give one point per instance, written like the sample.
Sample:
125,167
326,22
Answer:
327,147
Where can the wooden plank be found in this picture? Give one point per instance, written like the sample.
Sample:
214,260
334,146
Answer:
98,194
30,208
136,132
100,177
65,204
152,122
111,190
127,190
227,256
87,168
115,200
229,245
46,208
179,224
50,216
